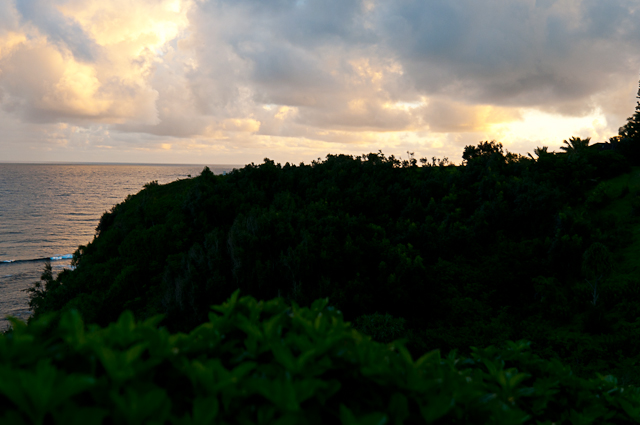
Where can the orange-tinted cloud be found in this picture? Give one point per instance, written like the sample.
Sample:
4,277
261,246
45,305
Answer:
229,75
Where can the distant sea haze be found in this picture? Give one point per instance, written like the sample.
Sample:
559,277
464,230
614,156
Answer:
48,210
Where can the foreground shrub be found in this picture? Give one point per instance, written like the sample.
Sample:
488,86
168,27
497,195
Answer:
268,362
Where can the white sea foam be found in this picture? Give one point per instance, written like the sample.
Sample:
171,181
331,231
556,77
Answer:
62,257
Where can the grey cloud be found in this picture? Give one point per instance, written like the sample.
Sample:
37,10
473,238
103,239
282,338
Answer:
295,54
370,116
8,18
287,67
60,29
511,52
605,20
551,55
299,22
280,50
315,22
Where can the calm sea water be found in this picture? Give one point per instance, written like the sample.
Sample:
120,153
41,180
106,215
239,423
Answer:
48,210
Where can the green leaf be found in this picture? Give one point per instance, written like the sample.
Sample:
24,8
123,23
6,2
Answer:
437,407
72,414
594,411
249,328
329,390
432,357
319,304
633,412
121,366
38,392
283,355
227,308
126,322
346,416
304,358
491,367
12,417
136,408
515,380
134,353
375,418
280,392
72,327
70,385
290,418
525,392
153,321
39,388
242,370
404,353
205,410
272,327
209,376
578,419
307,388
399,407
10,387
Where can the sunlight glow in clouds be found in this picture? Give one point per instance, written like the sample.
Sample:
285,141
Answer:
235,81
544,128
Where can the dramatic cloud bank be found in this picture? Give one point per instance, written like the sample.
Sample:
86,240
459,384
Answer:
235,81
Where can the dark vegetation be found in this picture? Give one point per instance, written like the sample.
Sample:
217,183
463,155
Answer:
271,363
456,255
504,247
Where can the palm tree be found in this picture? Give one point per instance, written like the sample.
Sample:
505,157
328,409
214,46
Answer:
540,152
575,145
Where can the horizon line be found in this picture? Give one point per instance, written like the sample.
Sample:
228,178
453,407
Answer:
111,163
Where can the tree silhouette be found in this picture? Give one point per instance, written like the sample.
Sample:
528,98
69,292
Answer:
575,145
631,130
484,149
628,140
539,152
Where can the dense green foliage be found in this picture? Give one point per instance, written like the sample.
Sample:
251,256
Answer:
268,362
451,256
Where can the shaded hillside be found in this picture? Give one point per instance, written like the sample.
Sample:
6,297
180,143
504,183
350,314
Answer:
445,256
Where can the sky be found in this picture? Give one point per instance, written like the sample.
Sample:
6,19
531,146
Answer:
237,81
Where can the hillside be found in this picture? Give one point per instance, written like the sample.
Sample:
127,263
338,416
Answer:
447,257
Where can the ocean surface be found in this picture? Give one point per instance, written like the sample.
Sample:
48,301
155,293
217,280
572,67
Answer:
48,210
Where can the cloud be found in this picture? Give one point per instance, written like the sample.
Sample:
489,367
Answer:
60,29
235,74
513,53
8,17
86,62
446,116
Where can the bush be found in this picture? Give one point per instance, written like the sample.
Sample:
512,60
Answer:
268,362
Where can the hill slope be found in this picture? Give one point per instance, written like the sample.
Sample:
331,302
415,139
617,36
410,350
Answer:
445,256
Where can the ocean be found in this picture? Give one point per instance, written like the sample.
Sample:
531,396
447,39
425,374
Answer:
48,210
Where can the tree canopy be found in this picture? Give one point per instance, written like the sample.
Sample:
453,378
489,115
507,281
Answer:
444,256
